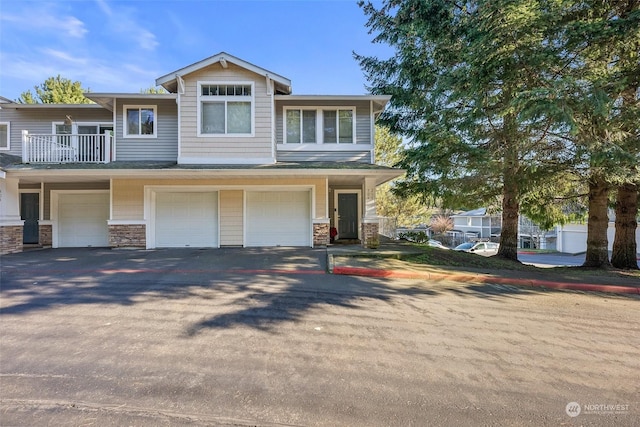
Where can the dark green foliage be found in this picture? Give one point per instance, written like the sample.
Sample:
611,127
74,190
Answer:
511,101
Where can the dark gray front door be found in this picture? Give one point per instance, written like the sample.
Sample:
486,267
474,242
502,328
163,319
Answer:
30,211
348,216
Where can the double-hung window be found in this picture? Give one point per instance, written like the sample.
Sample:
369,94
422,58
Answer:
4,136
319,126
140,121
225,109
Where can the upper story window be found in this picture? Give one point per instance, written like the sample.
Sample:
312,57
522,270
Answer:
301,126
319,126
4,136
140,121
225,109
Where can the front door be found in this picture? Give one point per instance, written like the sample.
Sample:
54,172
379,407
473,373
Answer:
348,216
30,212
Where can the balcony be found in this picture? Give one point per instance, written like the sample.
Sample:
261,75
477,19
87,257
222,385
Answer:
59,148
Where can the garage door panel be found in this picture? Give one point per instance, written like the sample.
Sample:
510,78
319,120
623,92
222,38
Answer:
186,219
278,218
82,220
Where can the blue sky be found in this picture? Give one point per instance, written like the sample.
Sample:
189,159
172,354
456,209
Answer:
123,46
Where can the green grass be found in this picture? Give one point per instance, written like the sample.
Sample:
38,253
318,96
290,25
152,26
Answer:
466,261
440,257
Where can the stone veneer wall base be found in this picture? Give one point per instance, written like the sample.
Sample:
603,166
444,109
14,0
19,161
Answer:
46,234
320,235
370,238
10,239
127,236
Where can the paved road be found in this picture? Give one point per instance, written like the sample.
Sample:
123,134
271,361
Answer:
264,337
553,259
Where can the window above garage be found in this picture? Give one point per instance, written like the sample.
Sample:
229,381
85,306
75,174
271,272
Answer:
139,121
225,109
326,125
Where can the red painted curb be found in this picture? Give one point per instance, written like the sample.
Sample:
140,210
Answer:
371,272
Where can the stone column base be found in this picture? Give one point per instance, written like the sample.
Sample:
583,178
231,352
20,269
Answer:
46,234
128,236
10,239
370,237
320,235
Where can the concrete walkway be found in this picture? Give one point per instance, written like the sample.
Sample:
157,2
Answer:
386,261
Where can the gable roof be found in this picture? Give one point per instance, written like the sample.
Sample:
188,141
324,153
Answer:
170,81
474,212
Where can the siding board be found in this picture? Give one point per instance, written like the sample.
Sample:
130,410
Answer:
164,147
231,221
324,156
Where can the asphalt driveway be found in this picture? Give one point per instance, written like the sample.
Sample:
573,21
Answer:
265,337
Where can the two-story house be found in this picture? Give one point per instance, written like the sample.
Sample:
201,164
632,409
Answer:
228,157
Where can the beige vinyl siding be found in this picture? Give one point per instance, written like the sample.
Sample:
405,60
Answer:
38,120
163,147
230,147
128,199
363,116
68,186
231,224
128,194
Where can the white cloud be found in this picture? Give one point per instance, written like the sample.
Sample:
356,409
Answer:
123,22
95,73
48,22
104,7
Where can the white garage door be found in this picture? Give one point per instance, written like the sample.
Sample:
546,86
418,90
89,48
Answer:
281,218
82,220
186,220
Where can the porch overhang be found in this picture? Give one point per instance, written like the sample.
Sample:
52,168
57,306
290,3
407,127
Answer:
336,174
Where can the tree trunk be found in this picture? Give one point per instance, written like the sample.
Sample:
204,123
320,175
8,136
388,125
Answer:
624,244
597,243
509,234
510,206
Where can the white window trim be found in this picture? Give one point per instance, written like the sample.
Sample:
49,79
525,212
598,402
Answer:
8,147
201,98
319,127
124,121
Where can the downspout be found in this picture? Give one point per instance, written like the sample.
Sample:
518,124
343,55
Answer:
181,90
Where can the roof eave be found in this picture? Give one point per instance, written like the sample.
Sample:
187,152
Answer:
168,81
106,99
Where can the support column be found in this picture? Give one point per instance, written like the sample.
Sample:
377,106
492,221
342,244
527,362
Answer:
370,222
46,233
11,224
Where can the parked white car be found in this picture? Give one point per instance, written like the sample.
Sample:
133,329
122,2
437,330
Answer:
480,248
436,244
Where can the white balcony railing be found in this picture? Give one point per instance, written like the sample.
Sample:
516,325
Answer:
57,148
